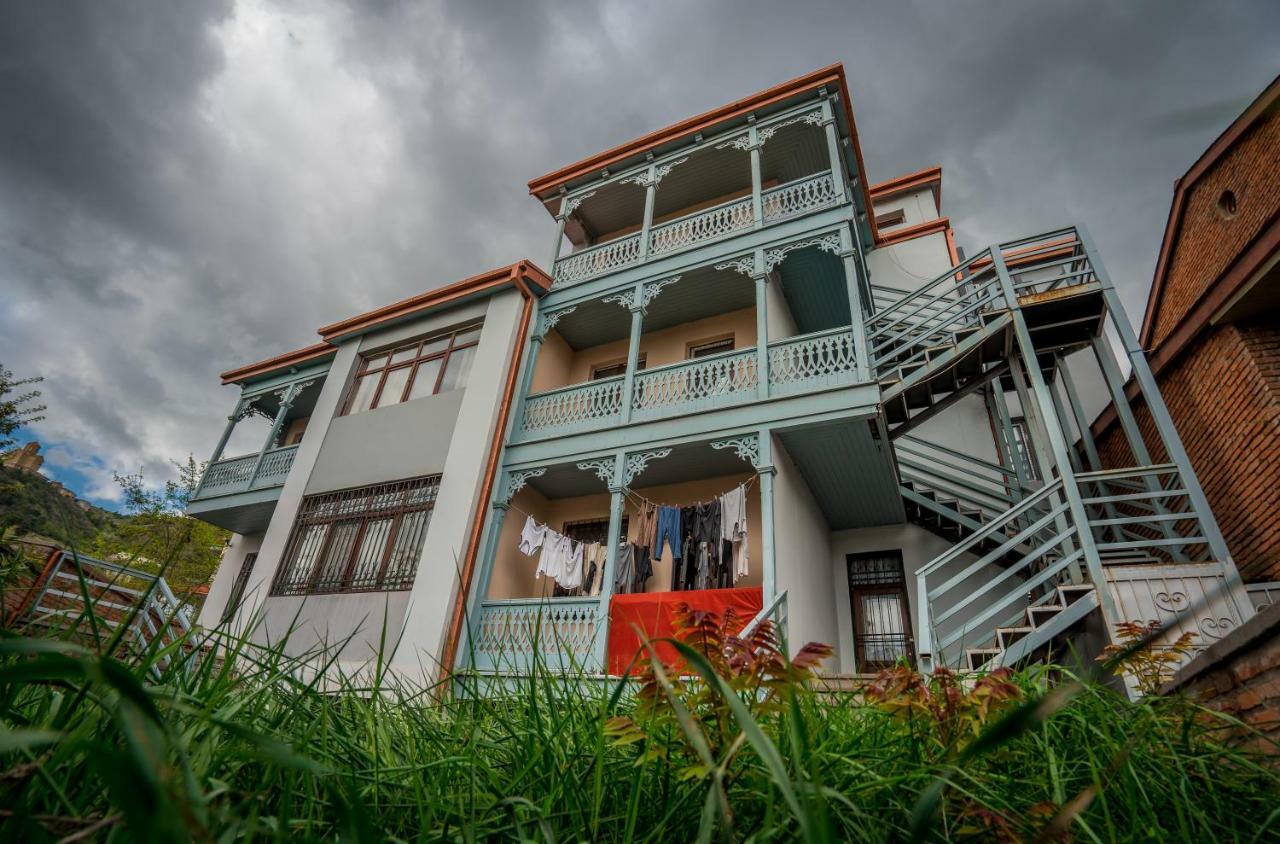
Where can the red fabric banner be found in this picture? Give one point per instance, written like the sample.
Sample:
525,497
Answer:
652,613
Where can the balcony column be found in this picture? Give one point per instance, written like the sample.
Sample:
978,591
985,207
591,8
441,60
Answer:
287,397
561,218
616,501
240,412
761,276
1165,428
857,312
833,150
1057,442
753,148
650,196
545,323
633,352
765,469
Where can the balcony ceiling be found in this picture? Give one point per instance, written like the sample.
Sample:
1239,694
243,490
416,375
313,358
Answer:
700,293
303,405
814,286
689,462
850,477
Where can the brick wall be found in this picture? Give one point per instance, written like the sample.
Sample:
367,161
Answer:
1223,393
1208,242
1240,675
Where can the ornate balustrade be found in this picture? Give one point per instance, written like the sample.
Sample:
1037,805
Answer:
693,385
579,406
514,635
822,359
784,202
235,474
815,361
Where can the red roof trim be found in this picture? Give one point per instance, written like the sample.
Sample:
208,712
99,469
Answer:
289,359
938,224
929,176
1224,143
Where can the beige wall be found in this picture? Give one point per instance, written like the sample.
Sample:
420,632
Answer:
560,366
513,572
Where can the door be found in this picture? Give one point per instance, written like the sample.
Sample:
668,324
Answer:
881,616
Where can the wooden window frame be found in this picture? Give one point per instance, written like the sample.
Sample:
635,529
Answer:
358,506
414,364
640,364
884,587
692,347
888,219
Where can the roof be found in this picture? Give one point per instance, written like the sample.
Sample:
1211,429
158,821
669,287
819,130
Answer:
928,177
524,275
1265,101
832,75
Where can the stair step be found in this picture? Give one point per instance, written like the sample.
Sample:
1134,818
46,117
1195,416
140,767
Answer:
1006,636
978,657
1072,592
1039,615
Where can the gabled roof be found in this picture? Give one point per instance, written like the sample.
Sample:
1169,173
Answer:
831,76
1265,102
524,275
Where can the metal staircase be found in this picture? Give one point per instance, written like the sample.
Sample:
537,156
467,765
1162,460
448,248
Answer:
1026,567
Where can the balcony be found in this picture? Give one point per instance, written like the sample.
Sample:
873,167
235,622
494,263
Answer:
236,474
809,362
785,202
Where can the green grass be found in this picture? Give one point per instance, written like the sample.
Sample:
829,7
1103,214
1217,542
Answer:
246,748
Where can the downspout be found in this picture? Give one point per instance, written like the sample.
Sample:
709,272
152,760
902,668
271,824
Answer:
449,653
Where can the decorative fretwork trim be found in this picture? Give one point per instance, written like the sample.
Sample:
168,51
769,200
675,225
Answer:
636,463
516,481
813,118
826,242
571,203
602,468
746,447
550,320
745,265
659,173
649,292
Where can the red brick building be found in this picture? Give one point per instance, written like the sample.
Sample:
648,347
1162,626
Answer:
1212,335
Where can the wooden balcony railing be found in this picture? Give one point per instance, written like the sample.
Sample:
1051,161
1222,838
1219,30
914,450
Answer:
236,474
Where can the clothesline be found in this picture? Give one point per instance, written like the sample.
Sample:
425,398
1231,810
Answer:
637,497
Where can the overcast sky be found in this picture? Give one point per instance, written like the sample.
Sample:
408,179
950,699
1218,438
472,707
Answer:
185,187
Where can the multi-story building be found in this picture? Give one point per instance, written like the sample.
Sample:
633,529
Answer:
733,310
356,506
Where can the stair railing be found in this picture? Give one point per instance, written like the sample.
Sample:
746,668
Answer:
1050,552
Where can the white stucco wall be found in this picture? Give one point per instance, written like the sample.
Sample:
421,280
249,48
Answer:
802,543
781,323
225,576
910,264
918,206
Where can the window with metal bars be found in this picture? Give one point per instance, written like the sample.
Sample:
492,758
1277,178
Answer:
881,619
237,587
358,540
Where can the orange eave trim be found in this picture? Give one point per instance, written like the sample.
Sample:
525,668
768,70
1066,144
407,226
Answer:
524,270
829,75
264,367
1265,101
929,176
938,224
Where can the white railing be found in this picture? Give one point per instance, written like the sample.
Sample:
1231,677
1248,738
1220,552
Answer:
704,225
799,197
560,633
581,405
825,358
235,474
227,475
597,260
712,381
1263,595
784,202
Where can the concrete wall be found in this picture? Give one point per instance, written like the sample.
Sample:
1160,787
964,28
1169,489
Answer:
910,264
781,323
513,572
225,576
802,554
918,206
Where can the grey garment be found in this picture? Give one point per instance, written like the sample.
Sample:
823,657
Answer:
626,569
702,574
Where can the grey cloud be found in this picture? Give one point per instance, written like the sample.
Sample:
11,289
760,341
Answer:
187,187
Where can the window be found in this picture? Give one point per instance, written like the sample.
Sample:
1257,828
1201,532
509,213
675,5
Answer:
612,370
709,347
422,368
594,530
358,540
881,619
1022,443
237,588
891,218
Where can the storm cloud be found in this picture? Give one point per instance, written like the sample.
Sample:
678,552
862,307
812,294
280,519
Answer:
185,187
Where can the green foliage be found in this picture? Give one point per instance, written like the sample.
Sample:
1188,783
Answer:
157,528
249,746
32,505
1149,665
17,407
